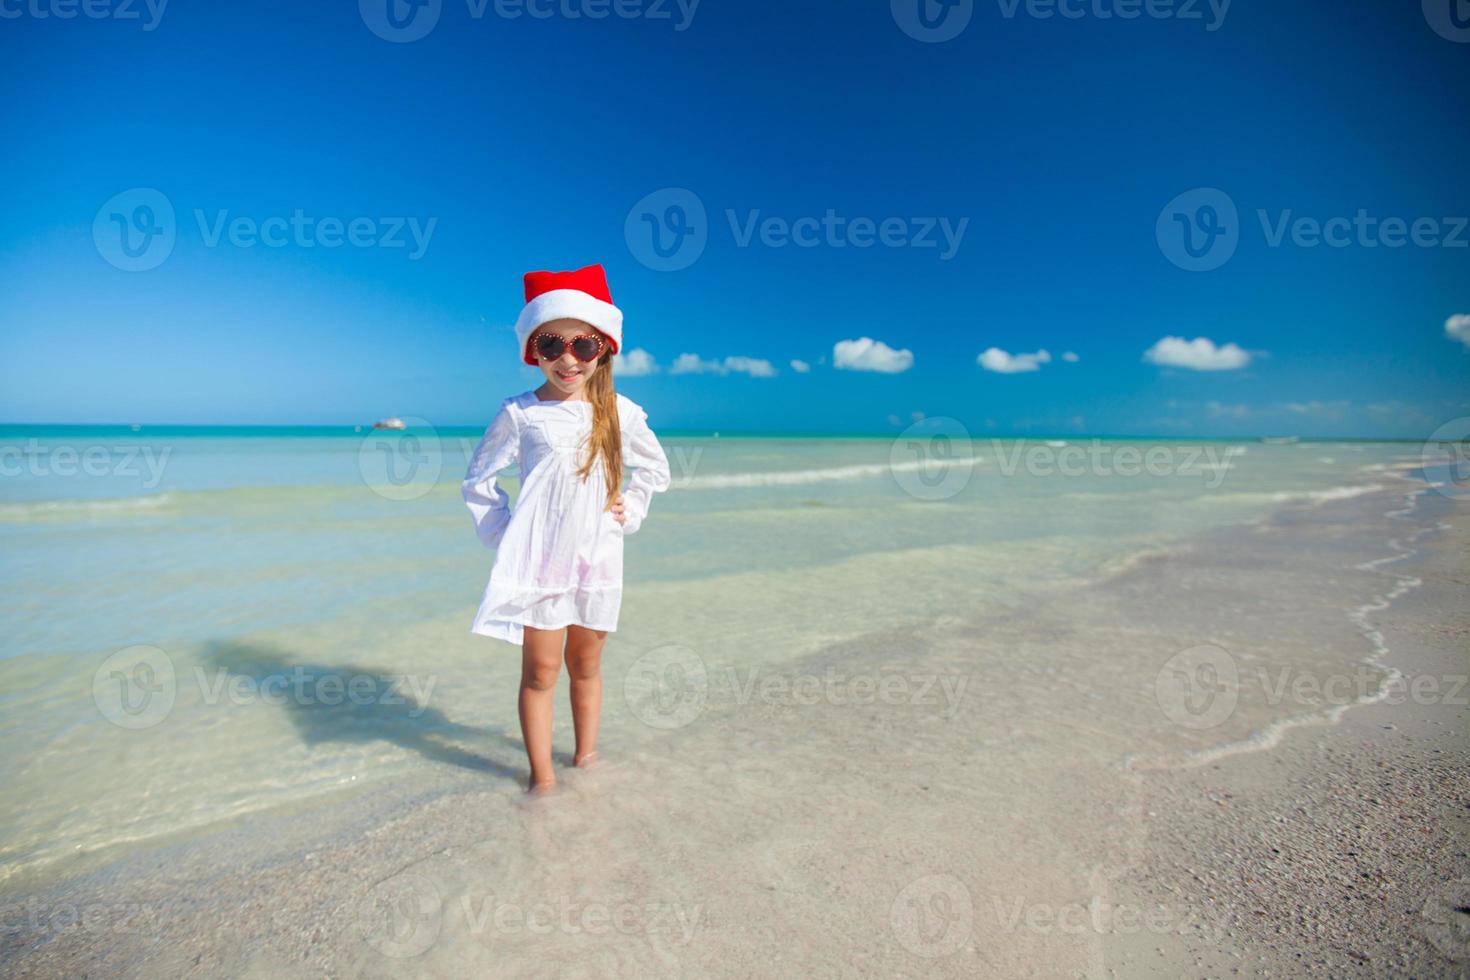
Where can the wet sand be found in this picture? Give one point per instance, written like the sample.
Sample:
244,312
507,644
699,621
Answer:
1017,791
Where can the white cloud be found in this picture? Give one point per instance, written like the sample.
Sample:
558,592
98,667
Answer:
1329,410
800,367
753,366
1199,354
691,364
1396,411
999,361
867,354
1217,410
634,363
1070,357
1457,327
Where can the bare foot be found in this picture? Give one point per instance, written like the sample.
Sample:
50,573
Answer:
586,761
541,789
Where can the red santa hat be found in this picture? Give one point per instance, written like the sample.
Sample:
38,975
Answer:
581,294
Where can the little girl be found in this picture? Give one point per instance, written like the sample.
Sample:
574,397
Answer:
558,575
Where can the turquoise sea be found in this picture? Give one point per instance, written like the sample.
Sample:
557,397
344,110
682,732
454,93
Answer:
175,595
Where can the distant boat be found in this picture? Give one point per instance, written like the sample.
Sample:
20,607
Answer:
394,423
1280,440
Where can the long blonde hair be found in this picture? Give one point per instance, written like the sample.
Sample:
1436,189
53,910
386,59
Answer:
606,438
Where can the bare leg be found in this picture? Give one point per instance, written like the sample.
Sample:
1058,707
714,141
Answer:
540,665
584,666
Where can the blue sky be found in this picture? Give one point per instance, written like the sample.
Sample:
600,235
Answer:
1054,149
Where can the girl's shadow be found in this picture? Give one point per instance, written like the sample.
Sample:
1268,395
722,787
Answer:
348,704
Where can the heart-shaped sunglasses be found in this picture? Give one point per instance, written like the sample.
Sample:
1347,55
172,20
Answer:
587,347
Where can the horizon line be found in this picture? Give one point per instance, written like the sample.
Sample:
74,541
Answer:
359,428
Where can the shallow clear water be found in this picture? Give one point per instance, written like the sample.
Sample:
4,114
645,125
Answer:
176,598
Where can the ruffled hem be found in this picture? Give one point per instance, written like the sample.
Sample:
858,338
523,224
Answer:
504,617
514,631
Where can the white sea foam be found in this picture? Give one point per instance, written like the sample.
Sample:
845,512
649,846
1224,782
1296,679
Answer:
1271,735
778,478
1341,493
1293,496
52,509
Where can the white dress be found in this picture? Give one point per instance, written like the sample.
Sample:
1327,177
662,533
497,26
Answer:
559,556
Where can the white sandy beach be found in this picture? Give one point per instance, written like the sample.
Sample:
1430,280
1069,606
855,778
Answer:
1016,788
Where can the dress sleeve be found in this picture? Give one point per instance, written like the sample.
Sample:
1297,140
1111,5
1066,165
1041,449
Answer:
643,454
488,502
